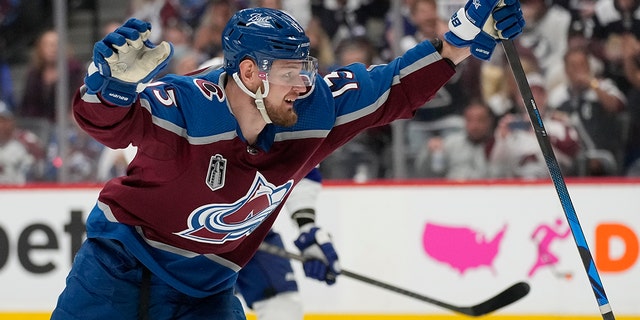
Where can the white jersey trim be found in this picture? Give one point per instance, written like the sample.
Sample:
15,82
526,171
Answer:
182,132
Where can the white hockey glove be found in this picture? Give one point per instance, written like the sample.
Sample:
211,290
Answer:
481,23
124,62
322,260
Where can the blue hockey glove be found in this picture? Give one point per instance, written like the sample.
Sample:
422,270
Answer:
481,23
124,62
322,260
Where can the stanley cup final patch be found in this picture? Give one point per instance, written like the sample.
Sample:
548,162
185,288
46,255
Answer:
216,173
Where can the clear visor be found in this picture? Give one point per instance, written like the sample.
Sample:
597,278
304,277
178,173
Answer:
291,72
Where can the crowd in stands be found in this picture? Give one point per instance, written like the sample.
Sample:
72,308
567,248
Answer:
581,58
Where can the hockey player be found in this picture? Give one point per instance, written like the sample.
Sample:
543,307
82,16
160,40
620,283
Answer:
219,152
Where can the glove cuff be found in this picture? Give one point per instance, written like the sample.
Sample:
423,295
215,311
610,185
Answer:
112,90
453,39
482,47
462,27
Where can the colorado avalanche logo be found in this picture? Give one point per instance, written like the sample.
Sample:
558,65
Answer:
219,223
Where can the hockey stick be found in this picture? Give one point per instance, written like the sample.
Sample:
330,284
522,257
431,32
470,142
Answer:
558,181
504,298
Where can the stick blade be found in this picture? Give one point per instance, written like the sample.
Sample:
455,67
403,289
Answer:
504,298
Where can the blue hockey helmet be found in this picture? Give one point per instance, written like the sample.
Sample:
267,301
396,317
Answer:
264,35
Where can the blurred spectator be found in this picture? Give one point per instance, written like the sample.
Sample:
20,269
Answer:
299,9
337,18
36,148
321,46
114,162
499,87
179,34
546,34
372,14
516,152
354,50
344,19
175,28
423,15
39,99
367,156
208,35
15,160
447,8
578,38
162,14
594,107
6,84
8,16
185,58
188,12
21,21
612,22
406,25
631,58
581,10
149,10
83,150
81,159
188,61
442,115
274,4
462,155
110,26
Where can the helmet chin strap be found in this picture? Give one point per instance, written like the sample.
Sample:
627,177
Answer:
258,96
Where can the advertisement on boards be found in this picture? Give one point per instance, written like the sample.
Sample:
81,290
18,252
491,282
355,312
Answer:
459,243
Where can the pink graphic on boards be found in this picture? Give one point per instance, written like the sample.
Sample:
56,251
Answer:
544,235
460,247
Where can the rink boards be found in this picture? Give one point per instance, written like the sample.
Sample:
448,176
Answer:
456,242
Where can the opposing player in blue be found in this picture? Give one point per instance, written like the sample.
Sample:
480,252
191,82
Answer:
220,151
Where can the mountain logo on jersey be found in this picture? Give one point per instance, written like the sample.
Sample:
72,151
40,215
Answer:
217,172
218,223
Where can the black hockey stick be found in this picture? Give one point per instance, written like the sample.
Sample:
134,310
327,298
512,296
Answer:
504,298
558,181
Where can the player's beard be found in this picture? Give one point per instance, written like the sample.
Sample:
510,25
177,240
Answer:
281,116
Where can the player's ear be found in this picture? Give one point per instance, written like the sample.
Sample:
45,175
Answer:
248,72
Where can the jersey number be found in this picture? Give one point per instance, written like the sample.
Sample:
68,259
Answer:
341,82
